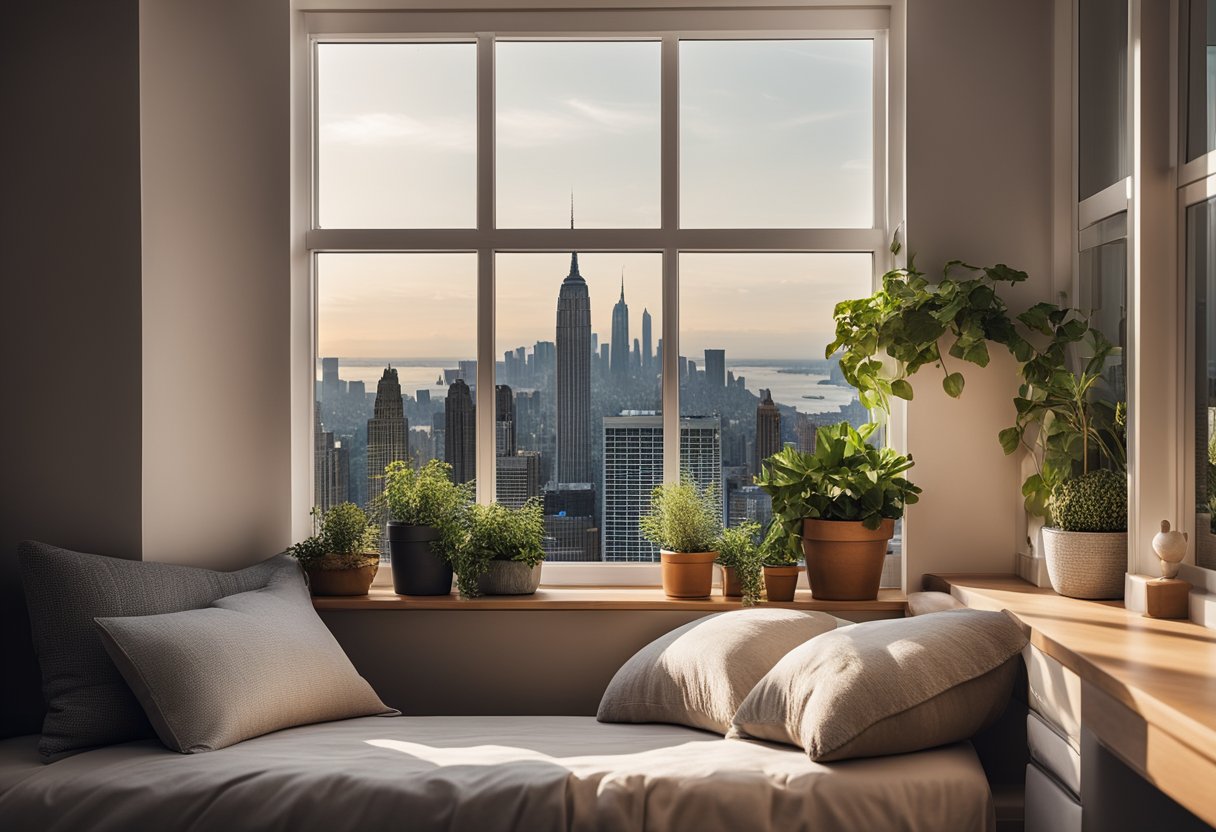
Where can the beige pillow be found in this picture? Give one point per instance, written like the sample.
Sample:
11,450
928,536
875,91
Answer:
247,665
697,674
887,687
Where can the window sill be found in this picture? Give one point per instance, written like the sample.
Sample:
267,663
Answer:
598,598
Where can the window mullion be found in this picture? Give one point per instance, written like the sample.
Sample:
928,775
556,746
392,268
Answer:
670,172
485,270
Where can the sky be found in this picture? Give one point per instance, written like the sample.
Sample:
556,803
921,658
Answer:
772,134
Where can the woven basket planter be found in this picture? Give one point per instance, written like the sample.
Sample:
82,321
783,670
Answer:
1086,564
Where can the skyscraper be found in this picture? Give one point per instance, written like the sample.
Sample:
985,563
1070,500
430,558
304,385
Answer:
715,368
768,428
620,337
636,358
329,381
460,431
518,478
633,466
647,354
571,530
388,433
573,387
504,421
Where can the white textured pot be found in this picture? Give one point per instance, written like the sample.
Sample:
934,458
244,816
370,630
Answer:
1086,564
509,577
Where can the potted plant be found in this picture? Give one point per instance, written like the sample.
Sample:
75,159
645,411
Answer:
341,557
503,550
1076,436
685,522
842,502
780,554
427,522
740,559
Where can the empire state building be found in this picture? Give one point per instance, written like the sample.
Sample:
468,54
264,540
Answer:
573,387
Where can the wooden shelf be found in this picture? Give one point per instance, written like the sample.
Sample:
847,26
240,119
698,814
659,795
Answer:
596,598
1149,685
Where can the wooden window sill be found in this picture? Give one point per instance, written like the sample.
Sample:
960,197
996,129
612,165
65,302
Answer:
598,598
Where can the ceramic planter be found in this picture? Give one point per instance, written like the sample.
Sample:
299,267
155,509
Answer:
1086,564
730,582
417,569
687,574
780,582
509,577
355,581
844,559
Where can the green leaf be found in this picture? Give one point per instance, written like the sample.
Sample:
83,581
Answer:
902,389
1010,438
953,385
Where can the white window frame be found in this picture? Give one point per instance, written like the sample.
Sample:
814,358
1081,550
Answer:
666,22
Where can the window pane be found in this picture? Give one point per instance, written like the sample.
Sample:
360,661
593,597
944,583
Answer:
753,328
396,346
776,134
1102,155
397,135
1201,274
578,396
1201,82
579,117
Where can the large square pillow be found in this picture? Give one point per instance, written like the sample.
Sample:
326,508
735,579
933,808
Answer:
887,687
88,703
697,674
245,666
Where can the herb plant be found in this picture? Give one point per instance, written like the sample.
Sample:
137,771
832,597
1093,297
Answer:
428,497
780,548
683,517
739,551
343,539
497,532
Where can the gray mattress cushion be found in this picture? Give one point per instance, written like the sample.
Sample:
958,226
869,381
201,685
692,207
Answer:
247,665
89,704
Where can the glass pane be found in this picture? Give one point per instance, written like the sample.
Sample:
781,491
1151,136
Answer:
1103,293
1201,80
396,135
396,346
579,391
1201,274
753,328
579,117
1102,94
776,134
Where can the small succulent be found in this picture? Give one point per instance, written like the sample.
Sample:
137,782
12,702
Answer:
1092,502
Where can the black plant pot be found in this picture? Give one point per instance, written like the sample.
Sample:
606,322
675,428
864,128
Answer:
417,570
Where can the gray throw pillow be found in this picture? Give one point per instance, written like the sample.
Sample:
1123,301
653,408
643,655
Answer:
887,687
697,674
247,665
88,702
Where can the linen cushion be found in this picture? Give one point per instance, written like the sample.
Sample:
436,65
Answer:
887,687
697,674
88,702
247,665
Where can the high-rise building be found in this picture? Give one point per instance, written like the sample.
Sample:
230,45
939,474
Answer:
620,337
573,382
647,354
768,428
804,430
356,391
572,532
439,440
504,421
329,381
388,433
460,431
423,397
636,358
633,466
658,355
517,478
715,368
468,372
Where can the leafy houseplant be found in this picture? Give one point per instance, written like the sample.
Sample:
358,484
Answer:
502,553
842,502
685,522
780,554
427,523
340,557
740,558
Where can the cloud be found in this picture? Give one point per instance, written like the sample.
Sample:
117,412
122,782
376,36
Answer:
400,130
569,121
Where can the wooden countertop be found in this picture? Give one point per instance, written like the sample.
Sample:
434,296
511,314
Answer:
597,598
1149,685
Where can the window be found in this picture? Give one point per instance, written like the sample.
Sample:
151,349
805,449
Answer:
574,254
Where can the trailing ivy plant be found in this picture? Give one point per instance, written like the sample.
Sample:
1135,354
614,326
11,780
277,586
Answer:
343,538
497,532
738,550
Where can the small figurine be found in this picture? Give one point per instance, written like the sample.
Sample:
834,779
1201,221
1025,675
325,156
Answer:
1170,548
1168,597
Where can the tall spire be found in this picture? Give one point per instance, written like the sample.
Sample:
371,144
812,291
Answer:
573,254
572,209
622,284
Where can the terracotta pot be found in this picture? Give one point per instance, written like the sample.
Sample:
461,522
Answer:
342,581
687,574
780,582
844,559
730,583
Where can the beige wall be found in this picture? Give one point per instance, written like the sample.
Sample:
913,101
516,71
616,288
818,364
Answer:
215,109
